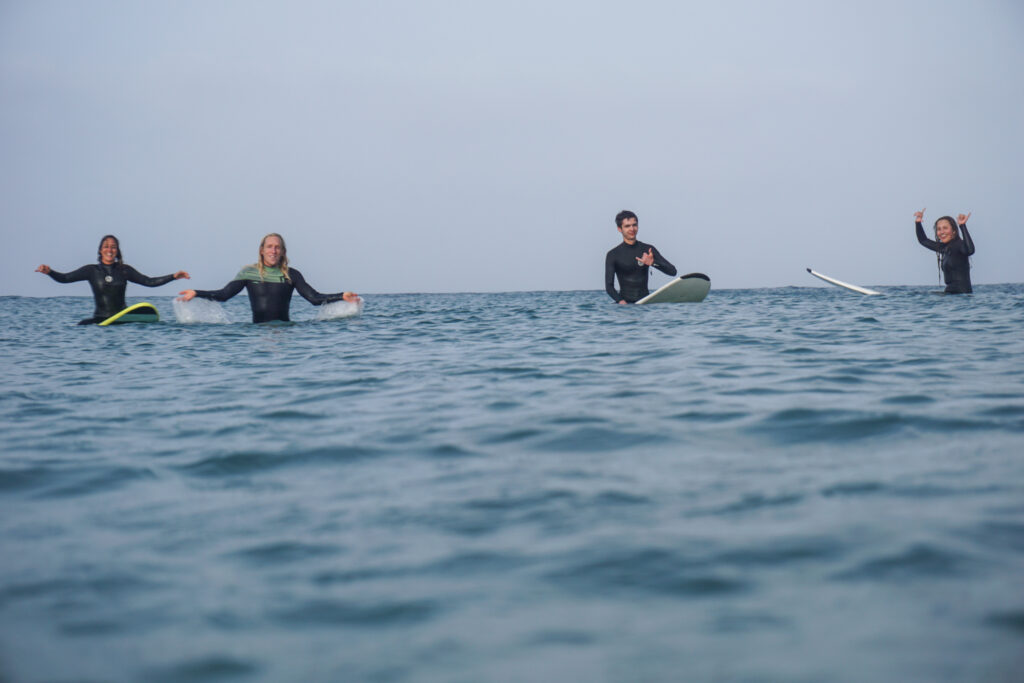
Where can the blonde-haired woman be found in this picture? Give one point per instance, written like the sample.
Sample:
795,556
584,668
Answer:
269,283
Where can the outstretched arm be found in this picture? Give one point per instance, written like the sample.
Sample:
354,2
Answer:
314,297
74,276
138,278
229,290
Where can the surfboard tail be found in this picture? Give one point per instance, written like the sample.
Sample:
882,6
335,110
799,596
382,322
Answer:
844,285
690,288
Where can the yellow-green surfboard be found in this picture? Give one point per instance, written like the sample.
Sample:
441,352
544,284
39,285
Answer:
136,313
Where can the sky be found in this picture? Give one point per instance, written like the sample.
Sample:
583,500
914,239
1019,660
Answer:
464,146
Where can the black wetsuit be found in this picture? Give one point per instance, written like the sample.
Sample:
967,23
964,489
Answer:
622,261
108,284
953,258
271,294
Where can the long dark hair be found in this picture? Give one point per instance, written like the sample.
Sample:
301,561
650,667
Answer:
940,254
956,230
117,242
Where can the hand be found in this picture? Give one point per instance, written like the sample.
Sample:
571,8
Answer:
187,295
919,216
181,274
647,259
962,219
351,297
45,269
623,303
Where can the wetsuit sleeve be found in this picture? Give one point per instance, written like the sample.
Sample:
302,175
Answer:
925,242
308,293
138,278
74,276
661,263
231,289
609,278
967,241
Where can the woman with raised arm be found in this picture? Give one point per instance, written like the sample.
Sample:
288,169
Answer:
109,278
270,283
952,246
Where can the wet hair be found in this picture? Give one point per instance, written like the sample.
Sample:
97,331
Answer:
623,215
282,264
99,250
956,233
956,230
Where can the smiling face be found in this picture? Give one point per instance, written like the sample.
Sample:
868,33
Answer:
109,251
944,231
629,229
271,251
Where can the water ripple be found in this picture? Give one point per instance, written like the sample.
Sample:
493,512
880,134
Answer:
917,561
248,462
366,614
487,486
202,669
649,570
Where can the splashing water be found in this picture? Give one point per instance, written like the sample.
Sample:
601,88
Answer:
199,311
339,309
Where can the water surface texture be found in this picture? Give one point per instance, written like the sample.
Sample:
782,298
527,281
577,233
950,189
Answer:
795,484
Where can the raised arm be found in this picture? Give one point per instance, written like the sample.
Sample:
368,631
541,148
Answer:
921,237
964,234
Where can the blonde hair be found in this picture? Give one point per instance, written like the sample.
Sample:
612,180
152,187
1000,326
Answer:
282,264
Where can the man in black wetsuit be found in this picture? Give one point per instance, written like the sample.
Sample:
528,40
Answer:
952,249
109,278
631,262
270,283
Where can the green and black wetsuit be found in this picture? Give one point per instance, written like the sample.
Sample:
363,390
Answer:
271,294
622,262
953,258
108,284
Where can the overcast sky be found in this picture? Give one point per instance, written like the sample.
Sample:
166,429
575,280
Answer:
486,146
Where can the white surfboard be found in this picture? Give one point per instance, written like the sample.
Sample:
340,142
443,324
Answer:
689,288
844,285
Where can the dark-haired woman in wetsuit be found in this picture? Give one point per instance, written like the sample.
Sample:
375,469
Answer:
953,250
270,283
108,279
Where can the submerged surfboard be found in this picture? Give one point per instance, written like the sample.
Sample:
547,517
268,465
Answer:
136,313
844,285
689,288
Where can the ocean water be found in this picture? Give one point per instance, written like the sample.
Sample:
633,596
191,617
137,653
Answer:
796,484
